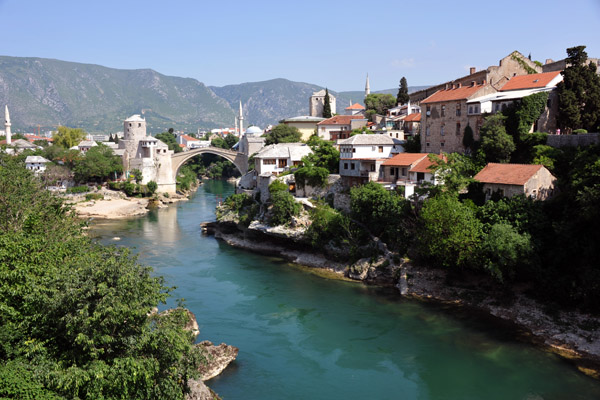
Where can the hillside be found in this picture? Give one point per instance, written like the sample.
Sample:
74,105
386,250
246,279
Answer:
49,92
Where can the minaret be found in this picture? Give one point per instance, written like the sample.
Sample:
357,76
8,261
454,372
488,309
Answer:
367,87
7,124
236,128
241,118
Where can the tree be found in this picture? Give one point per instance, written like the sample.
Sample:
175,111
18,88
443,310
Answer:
468,138
503,249
283,133
378,104
76,319
219,142
326,105
137,175
68,137
402,97
454,170
495,142
579,93
449,234
98,165
413,144
324,154
283,204
170,140
152,186
230,140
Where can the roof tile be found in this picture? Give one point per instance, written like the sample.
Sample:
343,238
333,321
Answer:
507,174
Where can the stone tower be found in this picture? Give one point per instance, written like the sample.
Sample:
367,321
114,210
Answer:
317,101
7,124
367,87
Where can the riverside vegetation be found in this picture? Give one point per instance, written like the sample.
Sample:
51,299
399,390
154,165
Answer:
75,316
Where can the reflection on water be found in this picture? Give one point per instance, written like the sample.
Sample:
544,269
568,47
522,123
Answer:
304,337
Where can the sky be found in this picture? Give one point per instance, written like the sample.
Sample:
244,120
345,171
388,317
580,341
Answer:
328,42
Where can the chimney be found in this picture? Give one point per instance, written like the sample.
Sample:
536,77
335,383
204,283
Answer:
447,85
472,70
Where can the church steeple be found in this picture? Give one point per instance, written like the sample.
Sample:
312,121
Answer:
7,124
367,87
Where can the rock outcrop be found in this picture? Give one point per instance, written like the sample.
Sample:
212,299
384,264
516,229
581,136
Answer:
218,357
199,391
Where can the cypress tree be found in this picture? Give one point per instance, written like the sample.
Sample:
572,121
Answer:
327,105
402,97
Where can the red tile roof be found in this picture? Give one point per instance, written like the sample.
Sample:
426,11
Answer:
355,106
507,174
405,159
188,138
423,166
340,120
531,81
416,117
461,93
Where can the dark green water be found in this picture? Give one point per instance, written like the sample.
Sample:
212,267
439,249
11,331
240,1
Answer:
305,337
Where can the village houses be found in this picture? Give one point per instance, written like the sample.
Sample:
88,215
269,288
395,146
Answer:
277,158
340,126
361,157
509,180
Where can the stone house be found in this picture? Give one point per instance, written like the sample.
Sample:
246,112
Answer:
37,164
361,157
355,109
277,158
317,101
515,179
445,115
340,126
513,64
411,124
305,124
84,146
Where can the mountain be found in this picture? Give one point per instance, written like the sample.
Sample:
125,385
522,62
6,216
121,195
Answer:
46,92
50,92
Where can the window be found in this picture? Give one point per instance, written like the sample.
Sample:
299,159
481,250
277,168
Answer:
428,111
139,124
442,144
392,171
345,165
282,162
372,167
269,161
351,165
427,131
458,129
470,109
458,110
372,148
497,107
476,109
443,112
381,149
403,171
353,150
130,124
442,131
427,144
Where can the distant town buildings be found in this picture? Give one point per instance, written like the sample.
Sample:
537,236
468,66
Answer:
305,124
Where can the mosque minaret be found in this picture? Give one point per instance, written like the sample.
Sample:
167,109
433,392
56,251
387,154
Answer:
7,124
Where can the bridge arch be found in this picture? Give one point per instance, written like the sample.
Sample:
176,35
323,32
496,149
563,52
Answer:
240,160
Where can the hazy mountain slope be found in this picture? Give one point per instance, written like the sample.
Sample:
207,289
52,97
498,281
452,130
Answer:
49,92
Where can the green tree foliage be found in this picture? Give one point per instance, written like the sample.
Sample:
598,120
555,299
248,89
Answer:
283,133
311,175
66,137
137,175
361,131
186,178
98,165
242,205
378,104
413,144
327,105
450,234
579,93
402,96
324,154
74,321
503,249
283,204
220,143
152,186
495,142
170,140
454,170
231,140
328,226
468,138
374,207
519,120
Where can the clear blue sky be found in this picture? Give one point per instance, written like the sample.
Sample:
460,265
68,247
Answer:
329,43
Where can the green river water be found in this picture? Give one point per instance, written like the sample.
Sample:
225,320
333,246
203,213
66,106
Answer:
305,337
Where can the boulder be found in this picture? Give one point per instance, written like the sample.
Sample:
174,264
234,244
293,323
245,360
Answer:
218,358
199,391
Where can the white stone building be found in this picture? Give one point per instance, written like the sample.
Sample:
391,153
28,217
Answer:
251,142
317,101
37,164
277,158
146,153
361,157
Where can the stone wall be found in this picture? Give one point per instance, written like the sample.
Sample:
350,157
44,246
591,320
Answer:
587,139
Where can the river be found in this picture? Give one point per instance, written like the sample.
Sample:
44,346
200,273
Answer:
302,336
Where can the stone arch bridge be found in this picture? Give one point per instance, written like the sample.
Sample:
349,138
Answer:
240,160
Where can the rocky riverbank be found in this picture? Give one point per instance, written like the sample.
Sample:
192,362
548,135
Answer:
571,334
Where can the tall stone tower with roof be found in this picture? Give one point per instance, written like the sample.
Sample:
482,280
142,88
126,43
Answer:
317,101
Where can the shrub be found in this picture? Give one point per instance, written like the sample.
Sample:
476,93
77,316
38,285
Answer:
152,186
115,185
277,186
579,131
78,189
311,176
284,207
129,188
94,196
